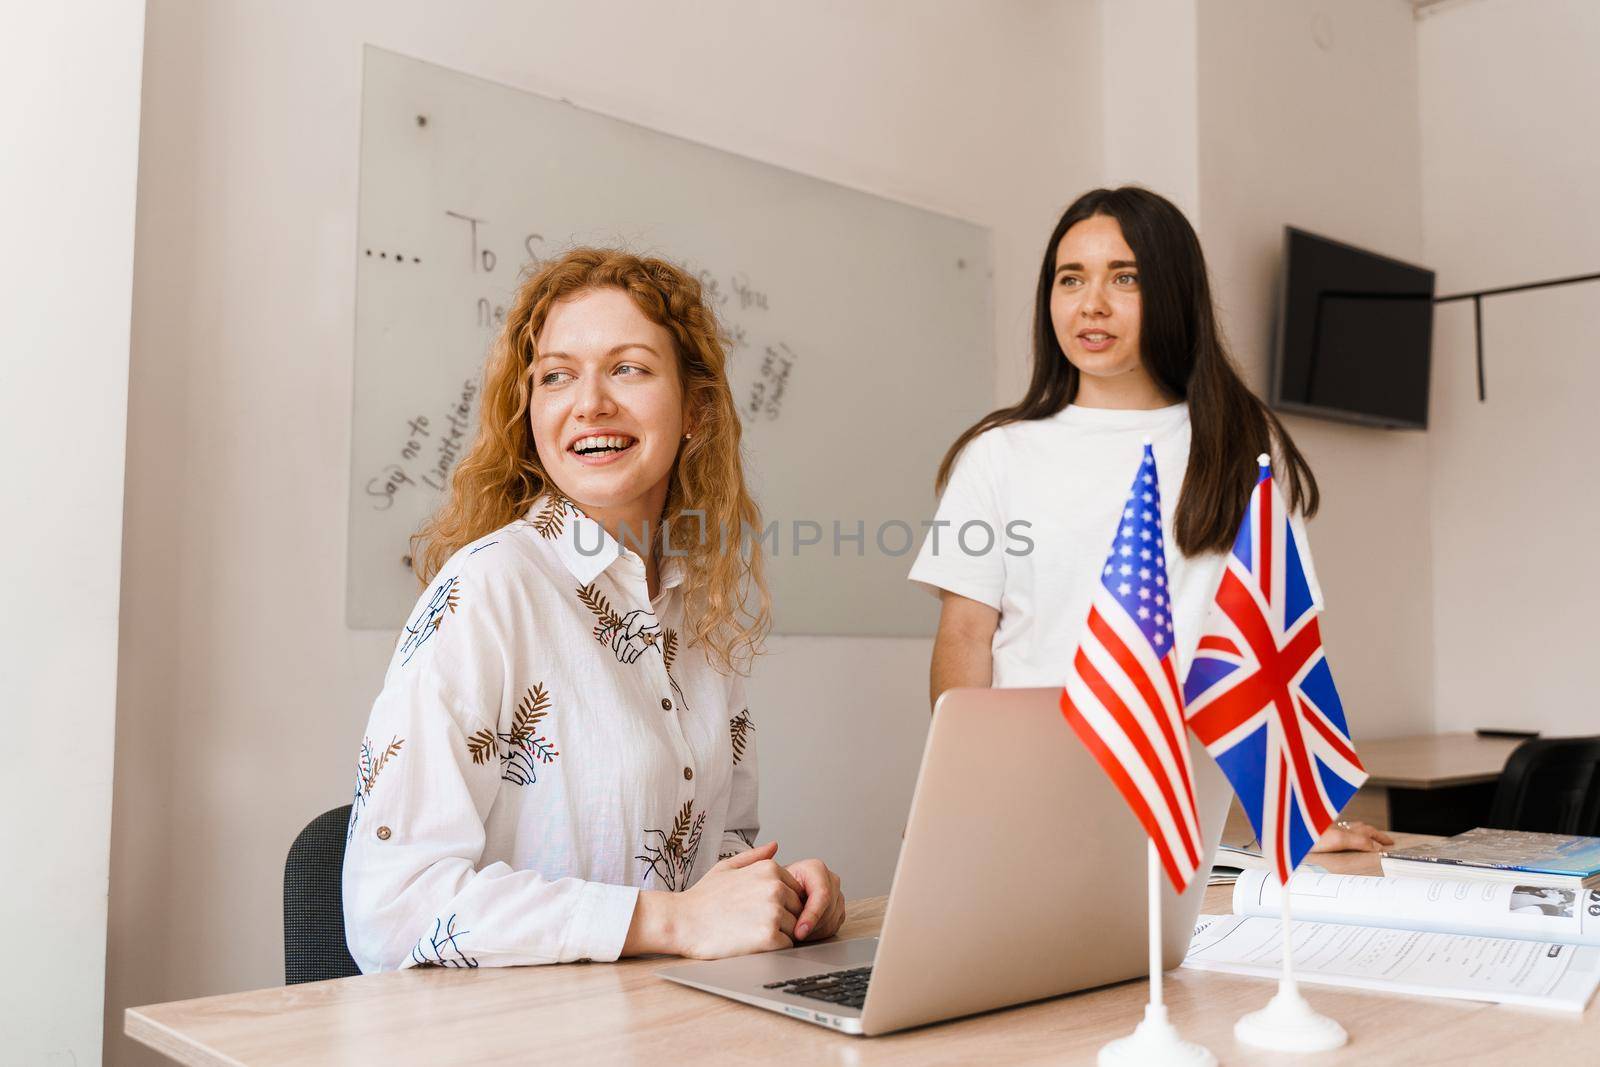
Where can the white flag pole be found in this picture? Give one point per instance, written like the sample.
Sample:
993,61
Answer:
1288,1023
1155,1042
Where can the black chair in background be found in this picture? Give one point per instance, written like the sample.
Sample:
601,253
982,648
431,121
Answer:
314,947
1551,785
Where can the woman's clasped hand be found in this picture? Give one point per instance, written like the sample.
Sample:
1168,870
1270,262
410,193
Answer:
746,903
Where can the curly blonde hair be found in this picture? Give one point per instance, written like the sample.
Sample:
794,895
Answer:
727,607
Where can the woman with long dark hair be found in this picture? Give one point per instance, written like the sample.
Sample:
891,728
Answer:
1126,348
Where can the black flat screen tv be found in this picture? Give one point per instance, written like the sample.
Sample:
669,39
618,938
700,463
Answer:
1354,334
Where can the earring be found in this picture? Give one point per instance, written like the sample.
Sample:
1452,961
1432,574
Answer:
688,435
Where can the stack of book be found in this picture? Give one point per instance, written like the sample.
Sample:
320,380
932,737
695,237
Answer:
1549,861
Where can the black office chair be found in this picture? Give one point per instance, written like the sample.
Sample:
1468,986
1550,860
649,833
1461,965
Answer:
314,947
1551,785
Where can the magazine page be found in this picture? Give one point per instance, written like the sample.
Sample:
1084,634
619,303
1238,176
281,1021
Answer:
1401,961
1490,909
1557,854
1230,860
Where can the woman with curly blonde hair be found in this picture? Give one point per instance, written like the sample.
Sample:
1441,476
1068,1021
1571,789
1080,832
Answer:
561,764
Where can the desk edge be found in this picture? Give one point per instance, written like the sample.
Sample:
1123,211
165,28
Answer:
156,1035
1401,782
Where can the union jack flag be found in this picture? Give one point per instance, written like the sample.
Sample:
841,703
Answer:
1260,695
1122,696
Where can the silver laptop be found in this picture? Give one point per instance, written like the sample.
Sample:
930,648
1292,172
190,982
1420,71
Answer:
1022,876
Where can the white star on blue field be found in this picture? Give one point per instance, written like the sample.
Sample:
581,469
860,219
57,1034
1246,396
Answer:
1136,570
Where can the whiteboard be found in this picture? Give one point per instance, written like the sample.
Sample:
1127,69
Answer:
862,329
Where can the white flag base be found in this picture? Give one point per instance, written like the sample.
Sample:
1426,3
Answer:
1155,1043
1289,1024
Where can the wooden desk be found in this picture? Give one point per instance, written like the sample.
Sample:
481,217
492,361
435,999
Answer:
622,1013
1436,783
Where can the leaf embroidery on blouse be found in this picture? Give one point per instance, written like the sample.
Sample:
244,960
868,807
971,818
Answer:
440,949
670,854
632,635
740,726
669,651
628,636
521,749
446,600
596,602
552,517
369,765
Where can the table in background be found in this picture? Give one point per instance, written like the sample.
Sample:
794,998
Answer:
1435,784
623,1013
1432,784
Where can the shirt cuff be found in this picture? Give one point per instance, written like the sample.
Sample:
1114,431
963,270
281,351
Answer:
600,928
732,845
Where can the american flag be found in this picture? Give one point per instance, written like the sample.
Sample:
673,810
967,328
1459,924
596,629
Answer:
1259,693
1122,696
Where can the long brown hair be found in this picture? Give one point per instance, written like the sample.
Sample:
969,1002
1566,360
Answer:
728,609
1182,347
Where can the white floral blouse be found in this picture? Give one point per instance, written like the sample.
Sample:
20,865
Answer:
544,747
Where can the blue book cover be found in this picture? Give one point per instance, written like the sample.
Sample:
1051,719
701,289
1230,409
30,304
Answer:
1511,850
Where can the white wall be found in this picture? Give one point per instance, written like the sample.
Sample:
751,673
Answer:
1150,109
242,694
69,76
1308,117
1510,165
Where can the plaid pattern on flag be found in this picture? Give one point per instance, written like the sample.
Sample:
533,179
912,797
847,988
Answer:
1259,693
1122,696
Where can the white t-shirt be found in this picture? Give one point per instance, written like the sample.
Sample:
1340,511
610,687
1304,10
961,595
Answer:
1066,477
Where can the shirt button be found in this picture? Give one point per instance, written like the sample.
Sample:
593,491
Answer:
383,833
688,775
666,705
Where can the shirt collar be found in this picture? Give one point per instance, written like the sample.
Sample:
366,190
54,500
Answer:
584,546
580,542
671,573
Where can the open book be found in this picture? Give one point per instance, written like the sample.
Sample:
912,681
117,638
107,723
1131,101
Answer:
1471,940
1232,861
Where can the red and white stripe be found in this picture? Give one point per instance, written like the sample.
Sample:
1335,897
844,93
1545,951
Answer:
1126,706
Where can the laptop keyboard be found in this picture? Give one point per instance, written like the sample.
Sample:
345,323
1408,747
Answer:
846,988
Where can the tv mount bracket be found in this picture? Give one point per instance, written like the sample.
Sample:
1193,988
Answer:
1477,309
